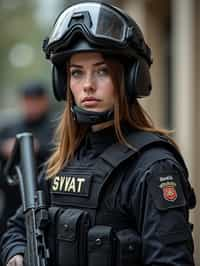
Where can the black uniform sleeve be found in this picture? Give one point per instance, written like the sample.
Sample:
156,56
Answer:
160,207
13,241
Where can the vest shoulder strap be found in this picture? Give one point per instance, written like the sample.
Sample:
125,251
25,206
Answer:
117,153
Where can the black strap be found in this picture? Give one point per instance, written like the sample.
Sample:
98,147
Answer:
141,141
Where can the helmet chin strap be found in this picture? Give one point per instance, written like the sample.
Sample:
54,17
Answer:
83,116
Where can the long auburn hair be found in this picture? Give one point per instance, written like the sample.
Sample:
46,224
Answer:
69,133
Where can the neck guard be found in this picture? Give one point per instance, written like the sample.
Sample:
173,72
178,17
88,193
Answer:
83,116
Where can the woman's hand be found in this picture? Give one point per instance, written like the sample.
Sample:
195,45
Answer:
17,260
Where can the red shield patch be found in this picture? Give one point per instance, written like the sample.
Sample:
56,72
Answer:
169,193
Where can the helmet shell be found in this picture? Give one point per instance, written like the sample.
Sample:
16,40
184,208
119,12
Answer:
77,30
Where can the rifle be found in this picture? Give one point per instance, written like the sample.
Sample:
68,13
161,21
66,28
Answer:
21,167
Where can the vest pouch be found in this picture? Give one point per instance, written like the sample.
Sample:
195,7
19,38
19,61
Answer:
128,251
51,234
71,241
101,244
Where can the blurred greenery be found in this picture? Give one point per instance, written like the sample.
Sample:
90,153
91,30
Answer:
23,29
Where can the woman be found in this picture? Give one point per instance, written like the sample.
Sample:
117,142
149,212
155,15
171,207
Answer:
117,186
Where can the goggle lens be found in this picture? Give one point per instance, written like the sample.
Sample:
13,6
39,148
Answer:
96,20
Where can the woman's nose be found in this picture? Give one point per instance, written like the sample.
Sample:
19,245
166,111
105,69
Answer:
89,84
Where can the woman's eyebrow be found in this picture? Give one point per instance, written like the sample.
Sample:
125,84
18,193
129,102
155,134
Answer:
74,65
99,63
81,66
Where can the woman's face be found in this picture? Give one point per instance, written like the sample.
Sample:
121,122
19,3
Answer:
90,82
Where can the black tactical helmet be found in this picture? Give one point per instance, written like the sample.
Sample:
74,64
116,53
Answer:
100,27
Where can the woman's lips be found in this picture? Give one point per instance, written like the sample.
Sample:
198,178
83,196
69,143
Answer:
90,102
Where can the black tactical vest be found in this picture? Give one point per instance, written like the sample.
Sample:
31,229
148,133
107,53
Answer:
75,197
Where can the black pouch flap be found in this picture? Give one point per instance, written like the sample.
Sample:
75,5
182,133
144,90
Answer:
71,237
67,225
99,235
128,248
100,246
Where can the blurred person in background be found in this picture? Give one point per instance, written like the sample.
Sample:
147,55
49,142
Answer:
36,118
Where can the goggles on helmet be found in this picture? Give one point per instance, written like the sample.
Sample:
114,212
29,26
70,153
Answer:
99,23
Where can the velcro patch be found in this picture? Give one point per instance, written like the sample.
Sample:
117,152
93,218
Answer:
169,192
166,191
76,185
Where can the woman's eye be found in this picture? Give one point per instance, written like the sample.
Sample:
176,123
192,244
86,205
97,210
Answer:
76,73
103,71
